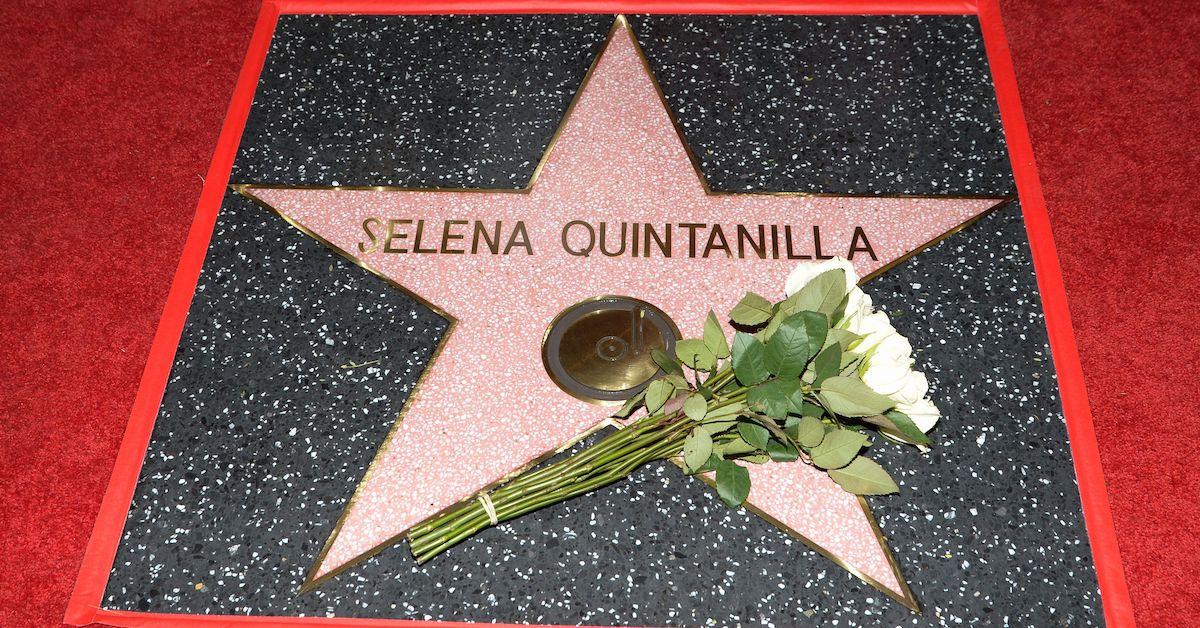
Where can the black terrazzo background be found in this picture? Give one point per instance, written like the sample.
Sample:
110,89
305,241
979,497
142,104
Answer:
436,101
233,504
263,425
854,105
993,532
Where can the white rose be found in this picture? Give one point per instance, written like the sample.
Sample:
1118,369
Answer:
893,377
890,347
805,271
923,413
914,388
874,328
858,305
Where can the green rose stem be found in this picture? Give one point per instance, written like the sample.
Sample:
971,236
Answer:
659,436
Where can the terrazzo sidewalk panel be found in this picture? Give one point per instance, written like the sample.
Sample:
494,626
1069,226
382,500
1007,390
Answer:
295,361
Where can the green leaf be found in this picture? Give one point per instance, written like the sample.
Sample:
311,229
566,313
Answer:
790,425
810,432
735,447
697,448
695,407
765,333
711,464
838,448
907,428
667,362
850,362
716,427
812,409
695,355
754,434
797,404
630,405
898,424
828,363
677,379
864,477
781,451
842,338
657,394
839,312
730,410
771,425
674,404
848,396
771,397
733,483
797,340
714,336
762,458
752,310
824,293
748,357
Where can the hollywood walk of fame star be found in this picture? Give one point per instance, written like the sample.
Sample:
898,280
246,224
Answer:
485,407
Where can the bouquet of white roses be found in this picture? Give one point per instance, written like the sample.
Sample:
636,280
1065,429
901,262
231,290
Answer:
809,380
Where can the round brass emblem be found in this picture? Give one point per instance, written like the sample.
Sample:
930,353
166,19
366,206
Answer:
599,350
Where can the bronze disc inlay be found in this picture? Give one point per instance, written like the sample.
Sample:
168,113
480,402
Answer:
599,350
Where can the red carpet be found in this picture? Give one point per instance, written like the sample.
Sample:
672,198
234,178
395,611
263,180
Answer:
110,114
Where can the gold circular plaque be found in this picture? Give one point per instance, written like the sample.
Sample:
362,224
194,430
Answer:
599,350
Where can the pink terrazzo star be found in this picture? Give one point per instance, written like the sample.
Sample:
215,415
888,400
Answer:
486,406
